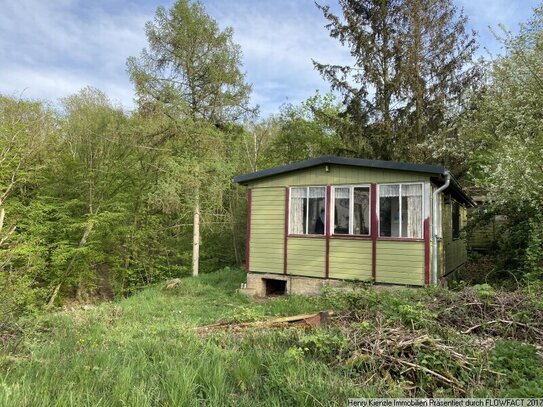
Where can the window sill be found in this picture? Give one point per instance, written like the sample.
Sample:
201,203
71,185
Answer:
400,239
309,236
351,237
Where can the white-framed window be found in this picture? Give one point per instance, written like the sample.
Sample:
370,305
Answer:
401,208
351,210
307,211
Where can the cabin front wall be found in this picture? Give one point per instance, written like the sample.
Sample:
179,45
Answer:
400,262
306,256
385,260
351,259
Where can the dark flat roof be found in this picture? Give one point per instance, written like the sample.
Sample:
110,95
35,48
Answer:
436,170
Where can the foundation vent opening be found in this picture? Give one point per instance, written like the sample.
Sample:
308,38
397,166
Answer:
275,287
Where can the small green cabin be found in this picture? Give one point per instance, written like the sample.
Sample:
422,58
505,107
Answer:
325,220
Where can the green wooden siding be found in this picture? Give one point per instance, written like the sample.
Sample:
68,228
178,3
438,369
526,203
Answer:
306,256
484,236
338,175
397,262
350,259
455,251
267,230
400,262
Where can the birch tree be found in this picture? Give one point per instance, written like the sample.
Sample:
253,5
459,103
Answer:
191,73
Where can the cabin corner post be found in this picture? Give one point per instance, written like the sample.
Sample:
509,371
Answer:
426,251
327,227
374,230
248,230
285,243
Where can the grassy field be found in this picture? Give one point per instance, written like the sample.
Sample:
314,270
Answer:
144,351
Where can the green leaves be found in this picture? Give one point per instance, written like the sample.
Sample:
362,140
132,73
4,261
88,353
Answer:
191,69
412,66
506,129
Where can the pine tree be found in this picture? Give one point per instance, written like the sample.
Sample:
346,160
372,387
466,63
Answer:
191,74
411,66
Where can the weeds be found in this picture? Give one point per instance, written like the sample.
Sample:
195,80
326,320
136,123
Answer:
145,351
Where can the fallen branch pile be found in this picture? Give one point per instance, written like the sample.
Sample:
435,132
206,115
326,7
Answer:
410,357
505,314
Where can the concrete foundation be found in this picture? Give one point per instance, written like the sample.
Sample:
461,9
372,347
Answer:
259,285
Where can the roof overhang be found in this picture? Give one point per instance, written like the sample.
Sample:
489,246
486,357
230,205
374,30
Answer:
437,173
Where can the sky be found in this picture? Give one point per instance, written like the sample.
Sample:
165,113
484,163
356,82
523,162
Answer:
50,49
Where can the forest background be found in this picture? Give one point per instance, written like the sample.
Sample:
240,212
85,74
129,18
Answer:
99,202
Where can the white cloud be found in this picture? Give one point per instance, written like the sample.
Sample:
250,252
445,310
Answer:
53,48
279,40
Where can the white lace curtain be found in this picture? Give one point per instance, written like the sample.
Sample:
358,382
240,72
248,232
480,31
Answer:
387,191
317,192
412,206
341,193
297,200
413,193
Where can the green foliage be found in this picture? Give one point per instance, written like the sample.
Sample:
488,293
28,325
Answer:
190,78
522,369
191,68
326,344
308,130
412,66
505,125
403,307
246,314
484,291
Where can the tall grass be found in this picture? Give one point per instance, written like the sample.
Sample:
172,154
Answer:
144,351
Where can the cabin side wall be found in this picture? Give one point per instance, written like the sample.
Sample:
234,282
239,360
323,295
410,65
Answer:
266,244
454,249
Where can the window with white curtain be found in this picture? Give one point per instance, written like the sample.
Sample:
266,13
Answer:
400,210
351,210
307,210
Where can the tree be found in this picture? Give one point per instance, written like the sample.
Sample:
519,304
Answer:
308,130
191,74
507,126
89,180
410,70
25,131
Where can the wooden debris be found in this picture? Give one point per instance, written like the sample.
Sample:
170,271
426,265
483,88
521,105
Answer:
173,283
304,320
503,321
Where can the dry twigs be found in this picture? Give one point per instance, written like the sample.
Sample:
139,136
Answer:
410,357
505,314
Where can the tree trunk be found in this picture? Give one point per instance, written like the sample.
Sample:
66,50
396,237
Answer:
82,243
196,236
234,230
